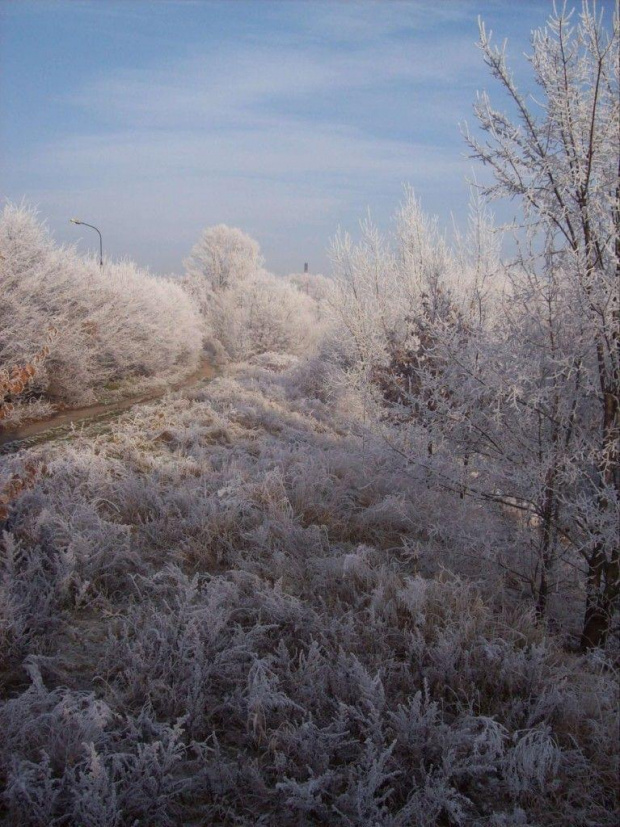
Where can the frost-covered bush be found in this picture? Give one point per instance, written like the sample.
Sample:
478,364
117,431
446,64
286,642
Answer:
461,365
313,284
265,314
239,632
247,311
109,326
260,313
222,257
71,758
500,379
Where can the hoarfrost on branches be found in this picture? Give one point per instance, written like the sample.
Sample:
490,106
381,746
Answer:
345,582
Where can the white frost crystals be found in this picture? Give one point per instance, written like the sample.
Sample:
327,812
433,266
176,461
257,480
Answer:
118,324
248,311
343,583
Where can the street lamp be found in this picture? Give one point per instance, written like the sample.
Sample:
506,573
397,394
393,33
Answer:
77,221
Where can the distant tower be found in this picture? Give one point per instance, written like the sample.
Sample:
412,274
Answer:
306,267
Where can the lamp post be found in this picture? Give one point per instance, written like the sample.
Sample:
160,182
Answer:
77,221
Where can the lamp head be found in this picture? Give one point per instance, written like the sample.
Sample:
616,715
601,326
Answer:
74,221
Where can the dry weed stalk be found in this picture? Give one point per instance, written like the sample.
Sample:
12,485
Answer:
16,485
15,381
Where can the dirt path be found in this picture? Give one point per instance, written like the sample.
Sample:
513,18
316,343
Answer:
12,439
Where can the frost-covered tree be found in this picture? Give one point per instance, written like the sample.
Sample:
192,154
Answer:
223,256
559,154
506,380
398,300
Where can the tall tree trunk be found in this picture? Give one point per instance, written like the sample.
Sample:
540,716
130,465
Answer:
547,555
603,593
603,578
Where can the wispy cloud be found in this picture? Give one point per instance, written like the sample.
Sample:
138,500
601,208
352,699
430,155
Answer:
235,80
288,127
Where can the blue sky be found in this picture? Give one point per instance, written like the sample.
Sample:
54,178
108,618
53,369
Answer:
288,119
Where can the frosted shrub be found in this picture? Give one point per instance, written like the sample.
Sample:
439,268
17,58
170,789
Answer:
222,257
238,630
472,391
267,314
247,311
146,326
71,759
108,326
316,286
257,315
15,382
